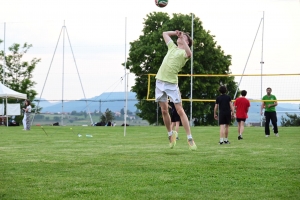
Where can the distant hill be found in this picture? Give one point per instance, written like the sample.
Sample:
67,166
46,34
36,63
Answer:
114,101
282,108
44,103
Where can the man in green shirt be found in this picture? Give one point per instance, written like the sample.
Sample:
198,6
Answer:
269,103
167,82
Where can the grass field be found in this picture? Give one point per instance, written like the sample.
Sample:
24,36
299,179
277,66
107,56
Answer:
141,165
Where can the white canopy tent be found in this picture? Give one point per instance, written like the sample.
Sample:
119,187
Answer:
7,93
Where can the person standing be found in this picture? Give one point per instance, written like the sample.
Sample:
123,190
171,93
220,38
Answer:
241,106
226,112
27,113
175,119
269,103
167,82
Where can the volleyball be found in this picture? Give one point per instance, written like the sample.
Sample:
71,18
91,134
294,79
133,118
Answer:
161,3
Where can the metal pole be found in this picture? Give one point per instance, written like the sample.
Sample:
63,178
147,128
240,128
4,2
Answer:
4,61
191,97
247,59
87,106
100,110
125,106
63,68
47,75
3,72
6,114
262,61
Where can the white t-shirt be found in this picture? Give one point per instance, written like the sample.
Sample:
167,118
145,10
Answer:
28,108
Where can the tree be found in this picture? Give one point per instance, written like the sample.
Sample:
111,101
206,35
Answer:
146,55
107,116
18,73
122,112
74,112
294,120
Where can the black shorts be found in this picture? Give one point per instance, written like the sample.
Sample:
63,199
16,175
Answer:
175,117
225,119
240,119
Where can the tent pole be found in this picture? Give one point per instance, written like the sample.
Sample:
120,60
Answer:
6,114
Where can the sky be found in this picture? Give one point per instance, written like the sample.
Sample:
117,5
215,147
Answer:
99,39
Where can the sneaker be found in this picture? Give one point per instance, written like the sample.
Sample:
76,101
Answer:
220,143
226,142
276,134
172,139
192,144
267,135
240,137
176,134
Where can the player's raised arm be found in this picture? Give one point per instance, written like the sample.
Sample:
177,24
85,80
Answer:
167,35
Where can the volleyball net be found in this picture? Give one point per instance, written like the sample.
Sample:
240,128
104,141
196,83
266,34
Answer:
286,87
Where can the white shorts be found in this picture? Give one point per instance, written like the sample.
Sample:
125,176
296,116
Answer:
164,89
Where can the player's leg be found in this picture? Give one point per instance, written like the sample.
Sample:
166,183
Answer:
227,121
27,121
24,121
177,126
173,125
226,141
173,92
267,124
239,126
177,129
165,115
162,98
186,125
222,133
241,129
167,122
222,123
274,123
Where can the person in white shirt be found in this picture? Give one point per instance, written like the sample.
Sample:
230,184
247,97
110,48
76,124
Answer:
27,113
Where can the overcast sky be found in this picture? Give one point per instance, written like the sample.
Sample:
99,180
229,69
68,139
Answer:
96,29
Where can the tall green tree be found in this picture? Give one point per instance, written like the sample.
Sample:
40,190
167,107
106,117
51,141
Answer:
107,116
146,55
18,73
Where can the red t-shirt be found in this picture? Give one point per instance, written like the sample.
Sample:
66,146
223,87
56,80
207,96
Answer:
242,104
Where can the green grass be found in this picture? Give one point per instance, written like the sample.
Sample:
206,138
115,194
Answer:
141,166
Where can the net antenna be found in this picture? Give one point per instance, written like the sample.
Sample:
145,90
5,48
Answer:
63,31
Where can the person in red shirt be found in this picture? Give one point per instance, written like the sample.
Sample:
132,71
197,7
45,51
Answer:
241,106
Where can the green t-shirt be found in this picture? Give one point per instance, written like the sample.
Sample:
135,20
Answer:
172,64
271,97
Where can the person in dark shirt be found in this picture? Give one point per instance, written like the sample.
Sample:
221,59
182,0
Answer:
226,112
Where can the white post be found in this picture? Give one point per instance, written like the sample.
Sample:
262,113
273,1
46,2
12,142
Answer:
6,114
63,69
3,72
4,61
191,97
126,81
262,61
